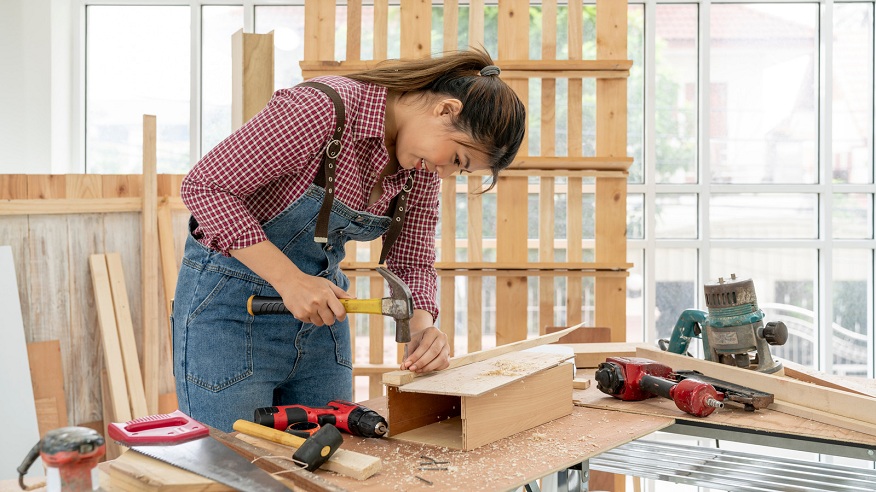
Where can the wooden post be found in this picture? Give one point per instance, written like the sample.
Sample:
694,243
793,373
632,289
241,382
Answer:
252,75
149,265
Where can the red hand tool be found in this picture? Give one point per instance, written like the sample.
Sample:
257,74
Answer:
349,417
70,454
637,379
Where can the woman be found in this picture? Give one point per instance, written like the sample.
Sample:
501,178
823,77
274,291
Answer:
273,204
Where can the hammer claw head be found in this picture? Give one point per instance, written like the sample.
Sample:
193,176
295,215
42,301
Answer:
402,305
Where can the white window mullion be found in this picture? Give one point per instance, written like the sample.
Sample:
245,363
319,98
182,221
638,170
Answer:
650,157
824,345
704,193
195,83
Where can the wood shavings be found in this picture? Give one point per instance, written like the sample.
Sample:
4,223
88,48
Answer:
507,368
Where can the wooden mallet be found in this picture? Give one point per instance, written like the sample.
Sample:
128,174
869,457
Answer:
313,451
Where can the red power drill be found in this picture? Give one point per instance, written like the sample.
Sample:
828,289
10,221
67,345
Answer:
349,417
70,455
637,379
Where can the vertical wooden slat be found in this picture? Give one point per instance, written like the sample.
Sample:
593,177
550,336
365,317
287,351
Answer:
149,265
13,186
46,186
83,361
475,209
350,254
451,24
375,325
83,186
474,289
416,28
319,30
546,183
381,26
574,228
611,140
512,199
476,23
169,266
252,75
448,253
128,345
354,29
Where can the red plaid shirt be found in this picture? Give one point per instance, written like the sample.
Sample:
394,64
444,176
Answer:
268,163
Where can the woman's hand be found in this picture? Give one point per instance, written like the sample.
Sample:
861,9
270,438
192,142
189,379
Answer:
428,349
310,299
313,299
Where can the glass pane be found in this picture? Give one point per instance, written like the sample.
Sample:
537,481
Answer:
764,93
287,22
675,275
636,216
852,130
218,24
675,216
852,215
138,63
636,92
635,297
852,310
785,284
675,119
764,216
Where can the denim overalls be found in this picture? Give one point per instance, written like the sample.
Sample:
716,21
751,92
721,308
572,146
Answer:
227,362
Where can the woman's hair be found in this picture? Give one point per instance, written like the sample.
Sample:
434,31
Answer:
492,114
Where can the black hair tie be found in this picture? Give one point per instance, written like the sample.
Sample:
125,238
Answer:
490,70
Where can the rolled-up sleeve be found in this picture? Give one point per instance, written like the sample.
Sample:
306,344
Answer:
412,257
279,141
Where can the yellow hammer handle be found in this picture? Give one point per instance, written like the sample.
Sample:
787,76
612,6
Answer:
268,433
367,306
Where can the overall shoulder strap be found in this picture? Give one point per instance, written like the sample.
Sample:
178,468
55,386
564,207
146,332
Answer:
326,178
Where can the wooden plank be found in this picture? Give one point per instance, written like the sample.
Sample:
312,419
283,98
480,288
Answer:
822,416
474,289
546,210
13,186
64,206
18,396
252,75
344,462
409,411
112,351
83,186
829,400
589,355
481,377
512,196
133,471
319,30
447,321
49,258
451,24
375,324
802,373
586,334
44,186
121,186
416,28
398,378
127,342
47,377
149,269
169,265
531,401
381,26
354,29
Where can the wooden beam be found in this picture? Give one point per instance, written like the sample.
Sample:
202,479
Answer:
252,74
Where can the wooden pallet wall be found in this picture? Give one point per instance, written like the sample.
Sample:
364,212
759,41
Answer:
603,175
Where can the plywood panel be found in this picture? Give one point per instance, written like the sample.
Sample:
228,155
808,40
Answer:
47,375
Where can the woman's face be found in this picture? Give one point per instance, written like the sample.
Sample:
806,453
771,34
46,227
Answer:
428,142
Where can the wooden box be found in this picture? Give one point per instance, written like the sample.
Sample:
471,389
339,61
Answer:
476,404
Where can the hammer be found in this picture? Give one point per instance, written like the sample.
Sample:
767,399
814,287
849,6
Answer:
400,305
313,451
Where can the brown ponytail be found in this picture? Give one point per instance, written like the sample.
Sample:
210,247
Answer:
492,114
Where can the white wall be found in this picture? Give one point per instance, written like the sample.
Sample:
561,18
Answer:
36,86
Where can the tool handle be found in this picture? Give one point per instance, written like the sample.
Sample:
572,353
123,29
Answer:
158,429
268,433
256,305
